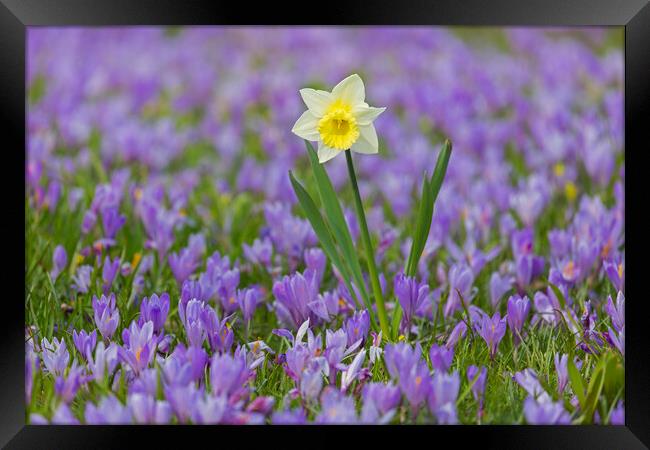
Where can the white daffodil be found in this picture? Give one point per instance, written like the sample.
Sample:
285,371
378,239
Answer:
339,120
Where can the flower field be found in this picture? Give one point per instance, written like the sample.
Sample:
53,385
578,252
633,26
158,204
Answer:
190,260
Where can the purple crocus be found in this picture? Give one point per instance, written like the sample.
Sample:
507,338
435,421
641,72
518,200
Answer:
411,295
357,327
528,380
109,271
289,417
145,409
616,311
545,412
155,309
293,295
55,355
442,397
210,409
104,362
336,408
109,411
477,378
81,279
228,376
499,285
492,331
441,357
315,260
66,387
259,253
518,309
248,299
59,261
227,290
107,316
615,271
112,221
461,279
561,368
139,346
84,342
380,402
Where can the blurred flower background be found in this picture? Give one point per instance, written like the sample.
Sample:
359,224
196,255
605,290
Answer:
172,278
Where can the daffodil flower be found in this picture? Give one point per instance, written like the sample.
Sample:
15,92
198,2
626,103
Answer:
339,120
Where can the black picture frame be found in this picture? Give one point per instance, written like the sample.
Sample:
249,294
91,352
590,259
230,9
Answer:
17,15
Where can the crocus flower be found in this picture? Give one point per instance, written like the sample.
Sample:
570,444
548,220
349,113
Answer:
210,409
561,362
139,346
107,316
259,253
336,408
104,362
315,260
498,286
461,279
411,296
59,261
492,331
145,409
528,380
545,412
55,355
109,271
293,295
442,397
352,372
357,327
518,309
616,311
477,378
615,272
84,342
63,416
248,299
112,221
339,120
182,400
289,417
228,375
81,279
109,411
155,309
66,387
380,402
441,357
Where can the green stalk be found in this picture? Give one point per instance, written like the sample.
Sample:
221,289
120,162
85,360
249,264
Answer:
367,244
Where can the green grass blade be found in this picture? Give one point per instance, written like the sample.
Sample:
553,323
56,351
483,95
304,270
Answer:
576,382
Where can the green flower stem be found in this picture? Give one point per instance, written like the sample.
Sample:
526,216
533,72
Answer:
367,244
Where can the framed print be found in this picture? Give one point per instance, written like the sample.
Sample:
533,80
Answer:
410,219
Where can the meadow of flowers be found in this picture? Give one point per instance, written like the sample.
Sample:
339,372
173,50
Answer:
172,275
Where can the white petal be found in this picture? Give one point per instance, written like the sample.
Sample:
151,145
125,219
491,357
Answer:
367,142
317,101
365,114
326,153
350,90
306,126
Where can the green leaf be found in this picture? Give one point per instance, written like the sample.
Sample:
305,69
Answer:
324,236
334,214
594,390
576,382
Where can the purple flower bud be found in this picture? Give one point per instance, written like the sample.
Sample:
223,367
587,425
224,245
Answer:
109,272
545,412
107,316
492,331
155,309
59,261
441,357
357,327
84,342
518,309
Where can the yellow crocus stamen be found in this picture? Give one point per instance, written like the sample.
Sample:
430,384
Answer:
620,270
558,169
78,258
137,193
138,352
571,191
137,256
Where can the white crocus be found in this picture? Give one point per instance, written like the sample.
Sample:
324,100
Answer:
339,120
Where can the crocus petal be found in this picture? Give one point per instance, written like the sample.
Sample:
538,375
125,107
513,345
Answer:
367,142
306,126
326,153
351,90
317,101
365,114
